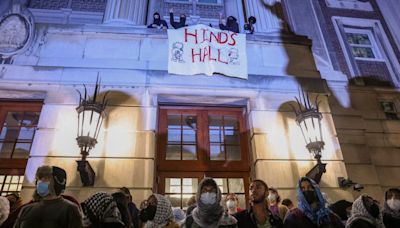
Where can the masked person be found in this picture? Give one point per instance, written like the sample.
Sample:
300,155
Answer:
209,213
311,211
274,205
232,203
258,215
365,213
133,210
177,25
52,211
158,22
391,208
156,212
249,27
100,210
231,24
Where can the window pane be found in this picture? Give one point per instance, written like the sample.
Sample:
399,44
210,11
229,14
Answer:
233,153
357,38
26,133
217,152
215,122
216,135
189,136
174,121
9,133
232,137
222,184
189,152
189,122
236,185
14,118
242,200
190,185
6,150
30,119
173,152
21,150
172,185
185,199
363,52
174,136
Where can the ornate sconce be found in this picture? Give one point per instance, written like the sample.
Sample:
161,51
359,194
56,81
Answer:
309,119
90,118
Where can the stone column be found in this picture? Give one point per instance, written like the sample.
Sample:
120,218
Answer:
269,15
126,12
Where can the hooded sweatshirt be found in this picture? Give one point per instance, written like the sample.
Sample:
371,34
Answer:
177,25
231,25
210,216
159,22
164,216
360,217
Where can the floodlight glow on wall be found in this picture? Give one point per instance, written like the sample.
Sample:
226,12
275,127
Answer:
90,118
309,119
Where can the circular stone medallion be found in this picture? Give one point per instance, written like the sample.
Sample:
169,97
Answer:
15,33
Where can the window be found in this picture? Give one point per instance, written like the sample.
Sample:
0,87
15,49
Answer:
18,121
10,183
205,9
389,109
362,44
197,142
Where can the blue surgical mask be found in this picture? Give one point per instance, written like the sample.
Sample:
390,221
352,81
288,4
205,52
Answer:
208,198
42,188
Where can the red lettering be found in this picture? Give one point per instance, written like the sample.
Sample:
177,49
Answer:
187,34
224,39
196,54
233,39
209,56
219,57
204,35
215,37
206,53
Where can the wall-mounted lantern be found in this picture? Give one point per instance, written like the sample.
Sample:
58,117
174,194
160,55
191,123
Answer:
90,118
309,119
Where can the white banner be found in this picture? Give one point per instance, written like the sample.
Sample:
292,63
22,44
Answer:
200,49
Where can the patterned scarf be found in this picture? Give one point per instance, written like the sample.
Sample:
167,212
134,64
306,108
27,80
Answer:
208,215
101,207
319,215
358,211
163,214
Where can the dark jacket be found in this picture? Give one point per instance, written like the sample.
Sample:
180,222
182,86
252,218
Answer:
246,219
177,25
297,219
231,25
134,214
159,22
390,221
49,214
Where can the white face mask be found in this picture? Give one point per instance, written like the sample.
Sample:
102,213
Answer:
230,204
394,204
208,198
272,197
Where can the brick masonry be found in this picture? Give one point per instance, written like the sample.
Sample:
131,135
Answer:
366,69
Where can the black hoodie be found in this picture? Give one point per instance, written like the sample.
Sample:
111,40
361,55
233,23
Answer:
231,25
158,21
177,25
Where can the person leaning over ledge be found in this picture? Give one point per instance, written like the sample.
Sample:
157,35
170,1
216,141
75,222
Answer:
52,211
158,22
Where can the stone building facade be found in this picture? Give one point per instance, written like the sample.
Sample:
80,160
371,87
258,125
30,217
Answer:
160,128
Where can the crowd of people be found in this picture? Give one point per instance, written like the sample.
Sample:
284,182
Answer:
50,208
230,25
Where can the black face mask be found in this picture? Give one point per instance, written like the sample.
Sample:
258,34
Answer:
310,196
374,210
148,213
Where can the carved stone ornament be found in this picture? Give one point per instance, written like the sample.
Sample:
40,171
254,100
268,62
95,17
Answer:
16,33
